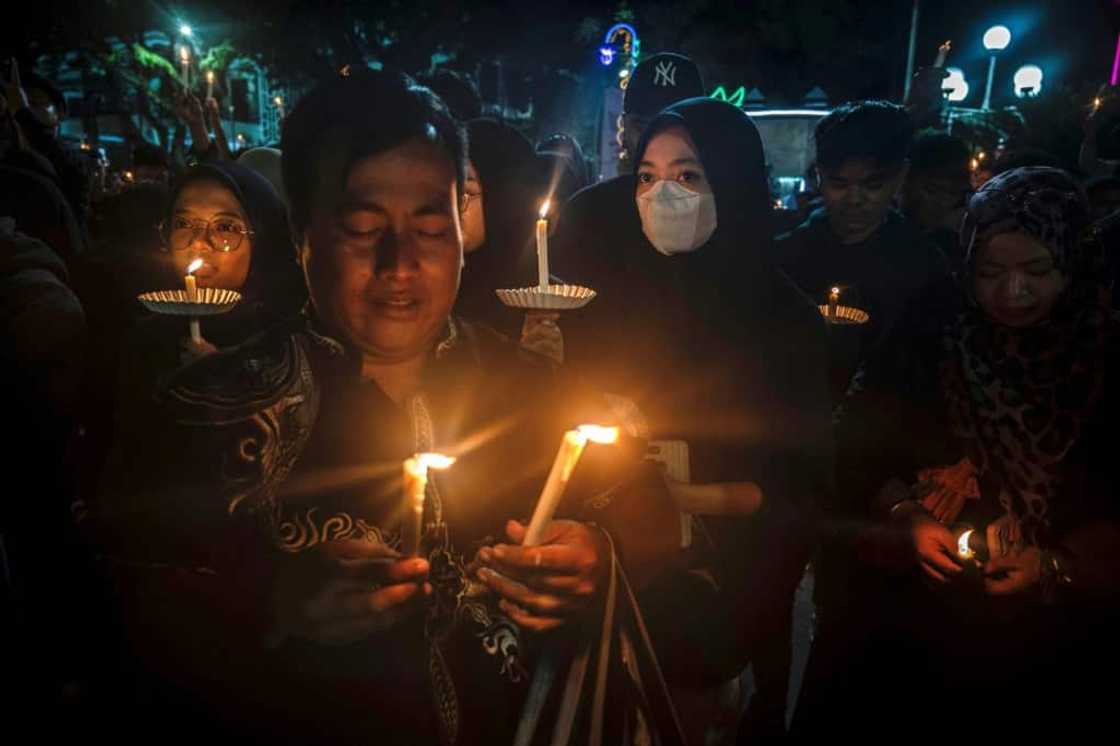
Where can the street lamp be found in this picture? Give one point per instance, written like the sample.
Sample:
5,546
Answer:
955,84
1028,81
996,39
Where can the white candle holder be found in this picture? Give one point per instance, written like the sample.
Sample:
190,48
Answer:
552,298
844,315
206,302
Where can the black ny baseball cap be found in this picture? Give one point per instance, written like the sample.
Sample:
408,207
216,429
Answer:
660,81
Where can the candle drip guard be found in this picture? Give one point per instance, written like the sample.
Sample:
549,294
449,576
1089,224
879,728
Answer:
844,315
552,298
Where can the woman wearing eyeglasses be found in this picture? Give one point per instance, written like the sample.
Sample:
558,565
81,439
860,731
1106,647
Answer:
231,218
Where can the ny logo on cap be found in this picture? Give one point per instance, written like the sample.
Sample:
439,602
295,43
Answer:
665,74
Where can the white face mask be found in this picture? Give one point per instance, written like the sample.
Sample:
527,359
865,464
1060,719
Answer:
675,219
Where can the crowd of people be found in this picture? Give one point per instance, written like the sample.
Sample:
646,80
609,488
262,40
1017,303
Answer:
205,535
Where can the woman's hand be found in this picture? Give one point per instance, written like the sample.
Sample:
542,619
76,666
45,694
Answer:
934,548
541,334
345,590
543,587
189,350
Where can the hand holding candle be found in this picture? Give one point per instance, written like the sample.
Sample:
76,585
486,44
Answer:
542,246
415,488
571,448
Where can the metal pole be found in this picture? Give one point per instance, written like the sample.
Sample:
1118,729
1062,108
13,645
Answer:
912,52
991,79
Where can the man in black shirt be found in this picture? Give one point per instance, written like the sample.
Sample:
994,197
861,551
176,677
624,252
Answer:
856,242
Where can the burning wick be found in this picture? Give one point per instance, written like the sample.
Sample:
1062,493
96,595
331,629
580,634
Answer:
964,551
192,297
542,246
415,488
571,448
942,53
833,302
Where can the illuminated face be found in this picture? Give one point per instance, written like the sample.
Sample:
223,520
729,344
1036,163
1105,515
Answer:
857,196
383,265
473,219
199,203
672,156
1015,280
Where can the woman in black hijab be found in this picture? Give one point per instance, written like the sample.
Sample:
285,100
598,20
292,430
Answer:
717,348
501,201
231,218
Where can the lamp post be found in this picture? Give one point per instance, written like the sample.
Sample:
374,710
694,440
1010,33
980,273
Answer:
996,40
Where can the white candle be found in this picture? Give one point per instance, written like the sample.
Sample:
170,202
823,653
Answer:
415,487
942,53
192,297
185,60
279,108
542,247
833,301
571,448
209,84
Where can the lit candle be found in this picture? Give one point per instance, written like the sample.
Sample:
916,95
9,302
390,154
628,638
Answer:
942,53
415,487
209,84
964,551
1096,104
279,107
833,302
571,448
542,247
192,297
185,65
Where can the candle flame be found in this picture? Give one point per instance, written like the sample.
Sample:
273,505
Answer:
1096,103
419,464
184,54
194,266
963,549
946,45
209,76
835,291
279,101
544,208
599,434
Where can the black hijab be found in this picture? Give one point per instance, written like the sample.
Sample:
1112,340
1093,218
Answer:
511,192
274,288
748,352
735,260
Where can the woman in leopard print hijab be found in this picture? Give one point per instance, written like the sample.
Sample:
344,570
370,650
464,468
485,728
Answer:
1026,357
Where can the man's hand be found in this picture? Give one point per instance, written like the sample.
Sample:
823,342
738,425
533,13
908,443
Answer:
345,590
1014,574
543,587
